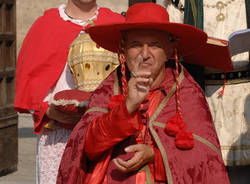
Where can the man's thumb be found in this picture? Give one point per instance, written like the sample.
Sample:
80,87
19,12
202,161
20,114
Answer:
132,148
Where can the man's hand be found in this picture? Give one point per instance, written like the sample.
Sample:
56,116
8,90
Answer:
144,154
138,88
63,117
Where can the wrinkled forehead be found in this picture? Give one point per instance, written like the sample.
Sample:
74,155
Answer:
145,35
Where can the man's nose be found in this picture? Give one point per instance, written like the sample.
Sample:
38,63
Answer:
145,52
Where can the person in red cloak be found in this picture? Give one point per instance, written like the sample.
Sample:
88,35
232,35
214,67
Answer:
149,121
42,71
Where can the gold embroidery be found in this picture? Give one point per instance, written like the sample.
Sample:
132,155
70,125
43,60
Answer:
148,175
237,162
87,66
209,144
98,109
220,6
163,153
88,63
241,147
194,11
204,141
159,124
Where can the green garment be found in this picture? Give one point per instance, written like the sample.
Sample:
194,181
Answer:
194,8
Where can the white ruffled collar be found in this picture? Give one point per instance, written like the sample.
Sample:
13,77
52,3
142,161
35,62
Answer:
65,17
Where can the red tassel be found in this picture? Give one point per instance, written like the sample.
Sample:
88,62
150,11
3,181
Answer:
184,140
177,127
115,101
174,125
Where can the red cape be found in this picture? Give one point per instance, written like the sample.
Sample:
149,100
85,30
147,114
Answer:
201,164
42,58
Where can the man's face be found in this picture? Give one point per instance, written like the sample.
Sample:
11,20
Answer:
147,50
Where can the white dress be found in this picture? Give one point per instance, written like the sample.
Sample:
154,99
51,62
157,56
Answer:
231,112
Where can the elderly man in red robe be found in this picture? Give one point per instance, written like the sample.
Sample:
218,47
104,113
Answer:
149,121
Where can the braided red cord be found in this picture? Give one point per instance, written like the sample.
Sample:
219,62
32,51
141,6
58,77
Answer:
221,92
175,125
122,60
177,84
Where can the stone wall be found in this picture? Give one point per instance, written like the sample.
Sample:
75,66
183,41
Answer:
27,12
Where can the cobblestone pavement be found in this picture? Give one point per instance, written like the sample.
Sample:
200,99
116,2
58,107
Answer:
26,168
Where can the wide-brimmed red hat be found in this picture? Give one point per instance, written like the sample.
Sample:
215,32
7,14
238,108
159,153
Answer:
149,16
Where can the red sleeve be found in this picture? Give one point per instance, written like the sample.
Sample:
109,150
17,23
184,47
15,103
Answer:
40,118
159,170
109,129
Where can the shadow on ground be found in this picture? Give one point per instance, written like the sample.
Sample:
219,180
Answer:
26,133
